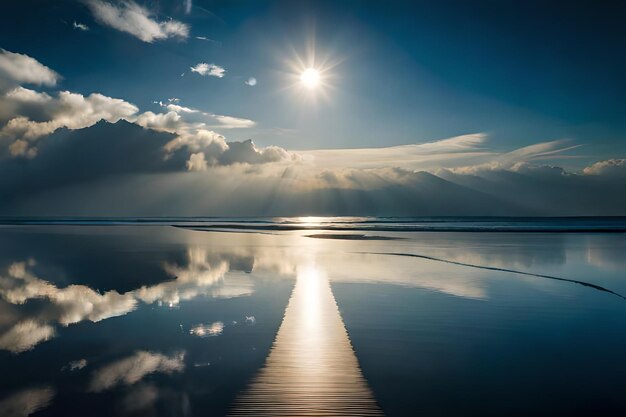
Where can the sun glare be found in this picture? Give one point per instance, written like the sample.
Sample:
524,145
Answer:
310,78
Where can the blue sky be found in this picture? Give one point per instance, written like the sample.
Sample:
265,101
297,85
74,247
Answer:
518,74
409,71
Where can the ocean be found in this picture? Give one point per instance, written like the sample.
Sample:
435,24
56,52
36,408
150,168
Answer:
312,316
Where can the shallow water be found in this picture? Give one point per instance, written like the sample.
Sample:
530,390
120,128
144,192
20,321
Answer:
160,320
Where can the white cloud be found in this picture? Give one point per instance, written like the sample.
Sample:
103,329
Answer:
80,26
188,6
131,370
205,69
204,119
250,81
179,109
26,402
17,69
168,122
75,365
610,167
200,140
230,122
69,110
129,17
207,39
197,162
172,106
465,154
455,151
521,159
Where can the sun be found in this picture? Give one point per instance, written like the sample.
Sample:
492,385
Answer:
310,78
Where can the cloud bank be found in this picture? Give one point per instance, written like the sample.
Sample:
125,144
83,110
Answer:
158,163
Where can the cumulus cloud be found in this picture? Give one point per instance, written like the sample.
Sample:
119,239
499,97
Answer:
247,152
49,113
131,18
610,167
200,140
250,81
133,369
26,402
208,148
197,162
205,69
167,122
17,69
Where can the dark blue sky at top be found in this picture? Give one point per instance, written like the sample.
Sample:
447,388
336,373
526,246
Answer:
523,72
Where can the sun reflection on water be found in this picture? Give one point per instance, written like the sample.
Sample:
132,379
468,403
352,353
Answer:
312,369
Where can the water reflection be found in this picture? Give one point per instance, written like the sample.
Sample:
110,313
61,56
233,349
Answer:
26,402
190,342
203,274
131,370
312,369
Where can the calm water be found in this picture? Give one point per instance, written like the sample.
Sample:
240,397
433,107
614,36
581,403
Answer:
150,319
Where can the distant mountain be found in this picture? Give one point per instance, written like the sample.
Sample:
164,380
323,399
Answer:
75,156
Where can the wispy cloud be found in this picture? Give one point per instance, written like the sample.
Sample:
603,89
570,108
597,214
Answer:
250,81
230,122
205,69
81,26
207,39
172,106
514,160
452,151
129,17
201,118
